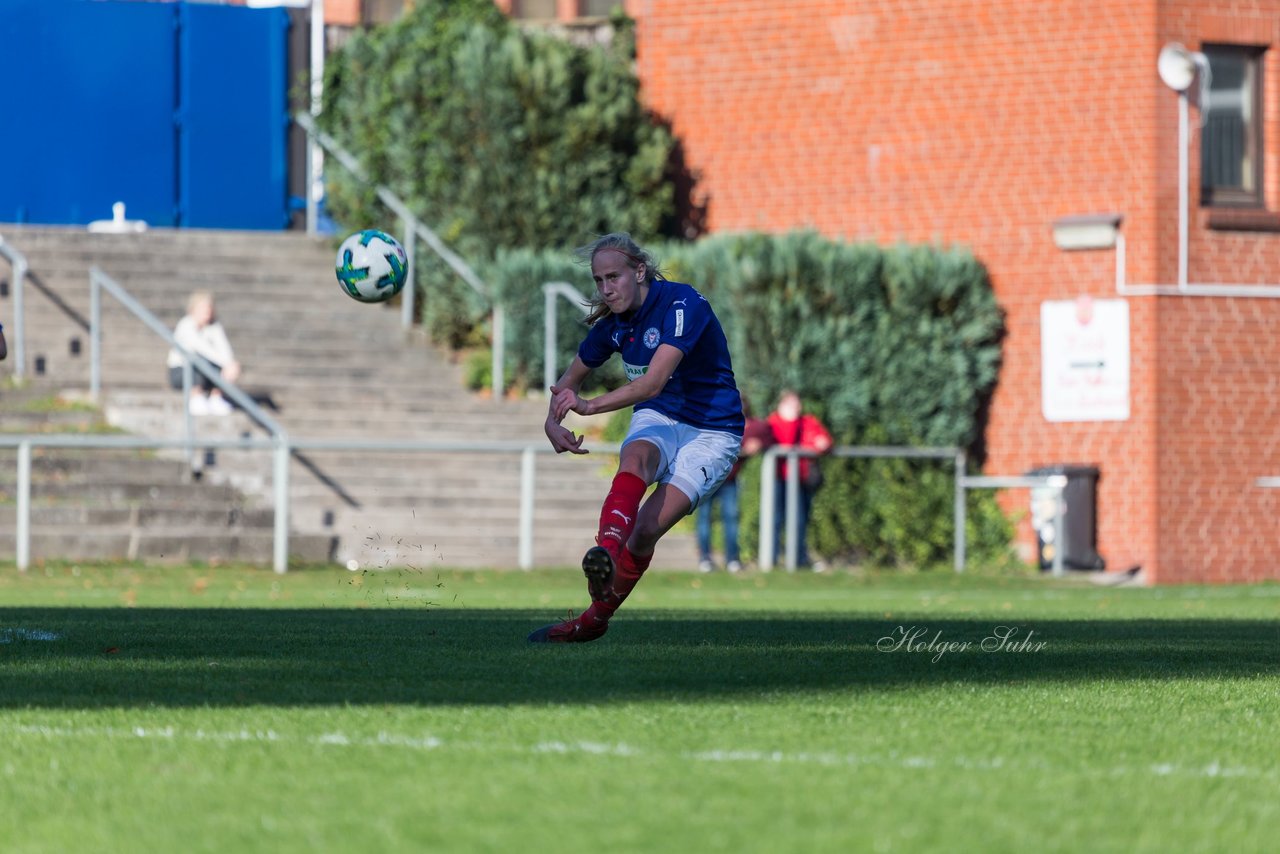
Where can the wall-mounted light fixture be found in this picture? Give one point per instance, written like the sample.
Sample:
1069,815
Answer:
1179,67
1086,231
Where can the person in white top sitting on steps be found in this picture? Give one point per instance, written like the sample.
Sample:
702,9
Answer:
200,332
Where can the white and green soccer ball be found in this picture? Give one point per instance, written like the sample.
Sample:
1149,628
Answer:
371,266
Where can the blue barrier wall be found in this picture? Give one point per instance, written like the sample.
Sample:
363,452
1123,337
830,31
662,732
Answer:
234,116
178,110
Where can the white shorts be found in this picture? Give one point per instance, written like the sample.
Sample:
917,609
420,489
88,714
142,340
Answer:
693,460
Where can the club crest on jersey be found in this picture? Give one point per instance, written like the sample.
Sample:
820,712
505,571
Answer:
651,337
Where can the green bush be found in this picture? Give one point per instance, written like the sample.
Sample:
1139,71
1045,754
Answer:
477,370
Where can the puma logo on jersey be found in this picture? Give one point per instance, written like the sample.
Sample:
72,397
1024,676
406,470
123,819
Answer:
626,520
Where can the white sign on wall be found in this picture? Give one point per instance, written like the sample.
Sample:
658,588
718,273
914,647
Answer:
1084,359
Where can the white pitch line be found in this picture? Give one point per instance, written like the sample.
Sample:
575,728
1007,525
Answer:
426,743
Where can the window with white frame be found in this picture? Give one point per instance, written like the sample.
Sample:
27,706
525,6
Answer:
1231,139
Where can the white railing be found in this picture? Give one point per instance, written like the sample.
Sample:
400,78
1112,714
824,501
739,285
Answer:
1055,483
413,228
282,448
791,522
18,262
551,290
963,483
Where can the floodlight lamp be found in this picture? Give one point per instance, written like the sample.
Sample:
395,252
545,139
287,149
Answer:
1178,66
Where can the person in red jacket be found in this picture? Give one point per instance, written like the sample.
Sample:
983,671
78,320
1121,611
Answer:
792,427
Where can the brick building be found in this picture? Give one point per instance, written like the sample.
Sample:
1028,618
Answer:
985,122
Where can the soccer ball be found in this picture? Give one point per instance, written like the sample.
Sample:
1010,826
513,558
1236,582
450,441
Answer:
371,266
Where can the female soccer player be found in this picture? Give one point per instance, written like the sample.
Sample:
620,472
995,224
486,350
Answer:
685,431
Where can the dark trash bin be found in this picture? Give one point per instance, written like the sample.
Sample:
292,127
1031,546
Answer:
1079,521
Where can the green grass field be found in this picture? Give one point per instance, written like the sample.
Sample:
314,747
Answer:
230,709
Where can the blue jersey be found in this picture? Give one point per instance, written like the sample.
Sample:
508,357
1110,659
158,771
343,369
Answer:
702,392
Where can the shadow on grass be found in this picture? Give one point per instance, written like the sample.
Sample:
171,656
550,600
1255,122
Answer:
225,657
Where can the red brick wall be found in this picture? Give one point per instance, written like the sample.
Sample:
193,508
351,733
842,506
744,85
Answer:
1219,358
973,122
344,13
980,122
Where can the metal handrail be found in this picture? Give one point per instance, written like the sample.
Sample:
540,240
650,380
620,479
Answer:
1057,483
551,290
413,227
768,479
98,281
963,483
20,267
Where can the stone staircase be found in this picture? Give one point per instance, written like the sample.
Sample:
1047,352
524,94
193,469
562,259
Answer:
325,367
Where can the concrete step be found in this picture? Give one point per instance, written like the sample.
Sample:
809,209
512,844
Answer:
177,242
114,494
45,422
64,465
142,363
238,312
173,545
209,516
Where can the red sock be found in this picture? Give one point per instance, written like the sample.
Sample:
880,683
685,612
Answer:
629,571
630,567
618,515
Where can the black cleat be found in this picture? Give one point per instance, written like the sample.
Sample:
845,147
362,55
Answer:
597,566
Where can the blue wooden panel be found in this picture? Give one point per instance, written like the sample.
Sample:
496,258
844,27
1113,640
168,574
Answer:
233,118
89,98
